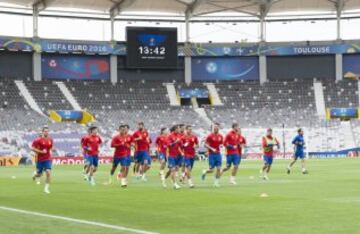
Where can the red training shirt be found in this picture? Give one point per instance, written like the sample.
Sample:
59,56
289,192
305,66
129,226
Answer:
162,144
93,142
144,143
189,142
122,145
174,141
43,143
214,141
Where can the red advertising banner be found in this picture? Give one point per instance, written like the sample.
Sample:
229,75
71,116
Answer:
78,160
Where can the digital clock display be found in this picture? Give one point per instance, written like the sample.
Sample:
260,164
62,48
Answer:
151,47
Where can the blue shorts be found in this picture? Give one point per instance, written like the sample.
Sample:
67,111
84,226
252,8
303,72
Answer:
86,160
137,158
93,160
215,160
189,162
233,159
123,161
182,160
175,161
43,166
162,157
268,160
143,157
300,155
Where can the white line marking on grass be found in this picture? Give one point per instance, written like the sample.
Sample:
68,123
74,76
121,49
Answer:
120,228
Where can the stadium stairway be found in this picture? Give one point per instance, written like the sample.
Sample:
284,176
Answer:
214,95
27,96
68,95
203,115
319,100
349,139
171,90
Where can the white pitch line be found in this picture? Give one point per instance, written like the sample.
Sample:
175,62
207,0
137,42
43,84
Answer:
120,228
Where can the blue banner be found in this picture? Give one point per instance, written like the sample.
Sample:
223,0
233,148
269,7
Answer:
353,152
198,93
82,47
19,44
351,66
197,49
225,68
269,50
343,113
69,115
75,67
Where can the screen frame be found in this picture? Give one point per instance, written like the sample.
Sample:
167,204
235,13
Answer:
151,29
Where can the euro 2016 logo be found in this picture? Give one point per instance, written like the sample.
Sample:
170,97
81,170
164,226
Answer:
52,63
211,67
152,42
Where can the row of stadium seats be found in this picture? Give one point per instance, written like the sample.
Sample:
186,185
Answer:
48,96
341,94
97,95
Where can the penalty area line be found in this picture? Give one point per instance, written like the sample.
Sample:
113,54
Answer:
80,221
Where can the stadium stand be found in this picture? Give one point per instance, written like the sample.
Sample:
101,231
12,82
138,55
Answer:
10,97
278,104
48,95
341,94
271,104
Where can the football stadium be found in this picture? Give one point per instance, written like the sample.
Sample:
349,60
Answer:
179,116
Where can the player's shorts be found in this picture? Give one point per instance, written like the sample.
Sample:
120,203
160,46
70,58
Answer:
93,160
137,158
300,155
268,160
233,159
162,157
215,160
182,160
189,162
123,161
143,157
86,160
175,161
43,166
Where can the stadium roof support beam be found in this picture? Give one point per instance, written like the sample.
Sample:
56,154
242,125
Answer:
264,8
115,10
187,27
37,6
339,5
189,12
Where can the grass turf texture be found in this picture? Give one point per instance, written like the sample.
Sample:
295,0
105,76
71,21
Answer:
325,201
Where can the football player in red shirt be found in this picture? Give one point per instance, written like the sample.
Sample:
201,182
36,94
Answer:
92,145
122,155
234,144
42,146
182,134
175,154
213,142
142,155
162,151
268,143
84,153
190,143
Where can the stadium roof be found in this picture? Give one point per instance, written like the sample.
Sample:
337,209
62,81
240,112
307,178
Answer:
194,7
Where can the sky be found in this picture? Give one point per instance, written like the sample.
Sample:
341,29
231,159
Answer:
82,29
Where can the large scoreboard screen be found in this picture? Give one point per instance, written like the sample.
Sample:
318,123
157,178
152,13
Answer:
151,47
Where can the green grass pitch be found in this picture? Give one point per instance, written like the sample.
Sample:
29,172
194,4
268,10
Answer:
325,201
